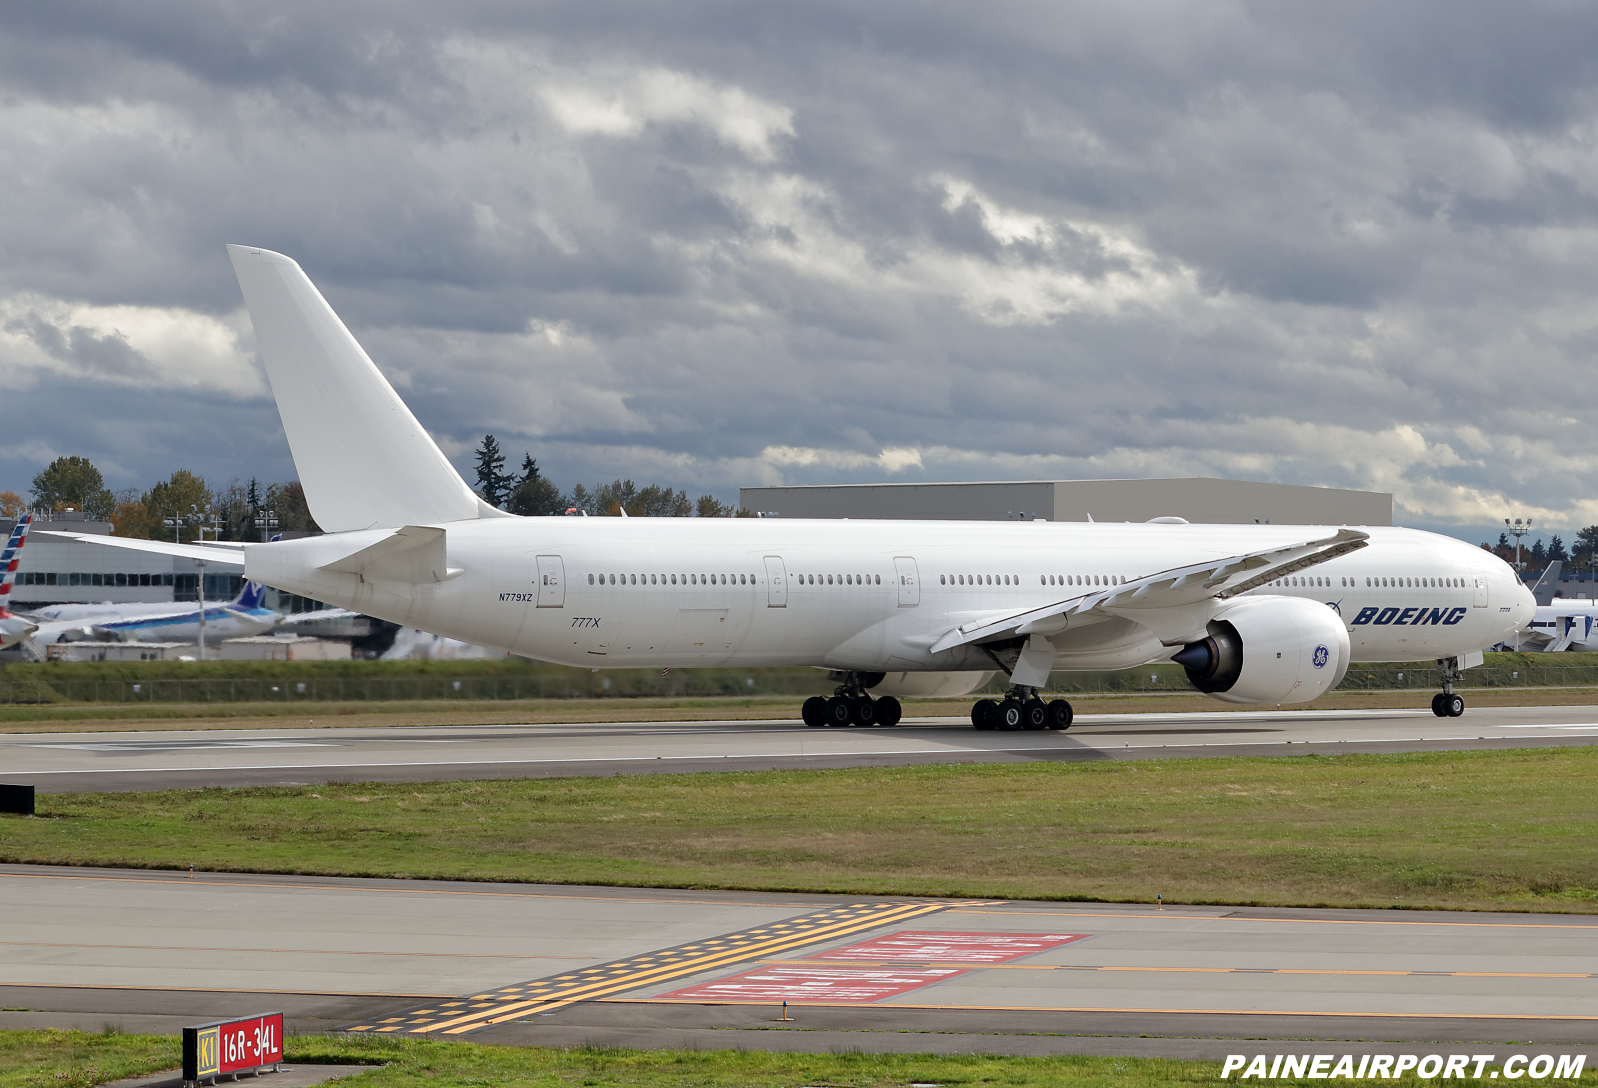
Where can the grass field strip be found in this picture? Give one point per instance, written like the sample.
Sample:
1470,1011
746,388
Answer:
476,1011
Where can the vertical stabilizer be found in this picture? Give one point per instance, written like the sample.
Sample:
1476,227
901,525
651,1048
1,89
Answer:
10,559
1544,589
364,460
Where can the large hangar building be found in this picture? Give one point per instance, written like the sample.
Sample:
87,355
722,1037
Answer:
1200,500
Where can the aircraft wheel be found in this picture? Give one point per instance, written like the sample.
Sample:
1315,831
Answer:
1060,714
865,712
985,714
1035,714
840,711
1454,705
1437,705
889,711
1010,714
814,712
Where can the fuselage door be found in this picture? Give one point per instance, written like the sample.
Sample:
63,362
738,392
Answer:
1480,598
909,581
551,582
776,582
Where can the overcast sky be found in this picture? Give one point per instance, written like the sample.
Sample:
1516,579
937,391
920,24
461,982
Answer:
713,244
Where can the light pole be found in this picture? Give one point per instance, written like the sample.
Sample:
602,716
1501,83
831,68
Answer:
1518,529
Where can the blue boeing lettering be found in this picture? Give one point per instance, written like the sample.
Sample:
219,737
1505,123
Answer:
1409,617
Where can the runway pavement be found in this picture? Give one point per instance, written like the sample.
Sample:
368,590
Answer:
78,762
151,951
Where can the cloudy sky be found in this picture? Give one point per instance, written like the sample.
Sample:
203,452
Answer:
711,244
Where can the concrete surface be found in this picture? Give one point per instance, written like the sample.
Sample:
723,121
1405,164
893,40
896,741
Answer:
151,951
80,762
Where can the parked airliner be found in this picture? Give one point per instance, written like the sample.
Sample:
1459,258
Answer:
1254,613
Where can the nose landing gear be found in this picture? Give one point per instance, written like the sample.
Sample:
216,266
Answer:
1446,704
850,705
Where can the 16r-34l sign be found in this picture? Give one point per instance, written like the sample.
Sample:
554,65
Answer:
232,1046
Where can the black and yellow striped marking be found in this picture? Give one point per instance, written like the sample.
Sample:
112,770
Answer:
474,1011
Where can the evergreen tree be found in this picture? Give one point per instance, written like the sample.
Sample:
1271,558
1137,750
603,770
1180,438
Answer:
1556,549
492,483
1537,558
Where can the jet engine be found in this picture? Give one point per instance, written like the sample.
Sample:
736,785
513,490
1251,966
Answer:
1269,650
929,685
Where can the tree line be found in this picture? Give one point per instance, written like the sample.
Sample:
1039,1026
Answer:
532,494
239,511
1536,556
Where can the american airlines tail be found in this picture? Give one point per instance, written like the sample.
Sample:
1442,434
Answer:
364,460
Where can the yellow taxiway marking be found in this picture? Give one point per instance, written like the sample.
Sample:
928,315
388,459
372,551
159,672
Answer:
969,966
1180,916
471,1012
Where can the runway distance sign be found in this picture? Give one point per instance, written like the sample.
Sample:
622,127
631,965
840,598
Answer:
232,1046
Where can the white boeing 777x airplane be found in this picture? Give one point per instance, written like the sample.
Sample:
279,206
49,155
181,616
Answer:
1254,613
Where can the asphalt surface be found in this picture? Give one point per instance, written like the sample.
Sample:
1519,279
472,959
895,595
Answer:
152,951
80,762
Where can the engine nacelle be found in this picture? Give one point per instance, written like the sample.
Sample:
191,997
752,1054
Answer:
929,685
1269,650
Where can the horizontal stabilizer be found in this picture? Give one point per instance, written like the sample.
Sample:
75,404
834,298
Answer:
1178,589
227,552
413,554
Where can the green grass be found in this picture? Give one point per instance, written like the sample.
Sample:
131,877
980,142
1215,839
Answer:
72,1059
1465,830
62,1059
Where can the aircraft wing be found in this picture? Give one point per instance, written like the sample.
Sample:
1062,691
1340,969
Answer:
1178,590
226,551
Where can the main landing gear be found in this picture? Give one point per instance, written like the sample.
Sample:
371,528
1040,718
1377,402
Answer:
1445,704
1021,708
850,705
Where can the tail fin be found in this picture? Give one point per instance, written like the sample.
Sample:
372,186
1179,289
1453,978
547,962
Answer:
10,559
364,460
250,596
1544,589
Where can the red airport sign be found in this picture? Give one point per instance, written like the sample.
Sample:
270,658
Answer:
800,983
916,947
232,1046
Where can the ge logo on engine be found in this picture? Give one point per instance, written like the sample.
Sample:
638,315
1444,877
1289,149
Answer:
1322,655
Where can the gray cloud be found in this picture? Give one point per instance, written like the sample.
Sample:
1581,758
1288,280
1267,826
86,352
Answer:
719,244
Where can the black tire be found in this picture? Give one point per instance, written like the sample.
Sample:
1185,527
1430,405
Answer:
1060,714
1437,705
985,714
814,712
865,712
840,711
889,711
1035,714
1011,715
1454,704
